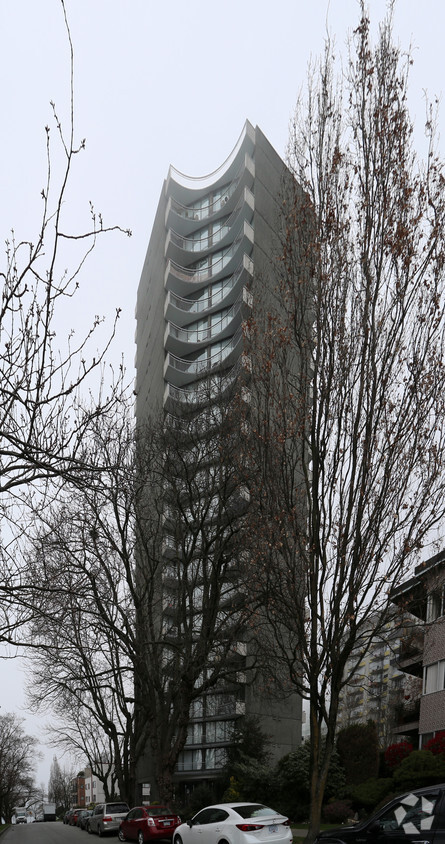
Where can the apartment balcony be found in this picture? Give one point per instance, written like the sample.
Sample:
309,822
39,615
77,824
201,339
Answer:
410,659
182,341
214,388
189,208
182,248
182,279
182,310
180,371
407,716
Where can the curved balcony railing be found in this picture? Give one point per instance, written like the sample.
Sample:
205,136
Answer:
202,393
194,275
197,212
199,306
213,206
199,367
191,244
247,134
199,335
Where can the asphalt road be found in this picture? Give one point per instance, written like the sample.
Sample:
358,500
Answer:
49,833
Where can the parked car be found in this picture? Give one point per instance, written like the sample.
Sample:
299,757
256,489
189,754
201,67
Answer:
147,823
235,823
67,816
81,814
74,816
106,817
416,816
84,818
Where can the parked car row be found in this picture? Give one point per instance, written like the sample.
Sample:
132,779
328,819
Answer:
233,823
142,823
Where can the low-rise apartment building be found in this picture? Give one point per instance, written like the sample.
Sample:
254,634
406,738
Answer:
423,651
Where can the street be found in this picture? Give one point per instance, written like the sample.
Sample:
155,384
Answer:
48,833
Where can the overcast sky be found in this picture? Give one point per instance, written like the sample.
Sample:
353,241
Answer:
159,83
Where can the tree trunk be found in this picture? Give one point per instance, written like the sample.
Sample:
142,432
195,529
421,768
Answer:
321,753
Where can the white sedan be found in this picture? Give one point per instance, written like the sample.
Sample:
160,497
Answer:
235,823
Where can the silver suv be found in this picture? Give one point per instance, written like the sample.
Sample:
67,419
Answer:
106,817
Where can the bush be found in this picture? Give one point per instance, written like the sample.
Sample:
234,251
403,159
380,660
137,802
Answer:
395,753
420,768
358,748
367,795
338,811
436,744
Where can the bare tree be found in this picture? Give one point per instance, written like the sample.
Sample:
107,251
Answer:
142,608
18,756
59,786
42,419
346,427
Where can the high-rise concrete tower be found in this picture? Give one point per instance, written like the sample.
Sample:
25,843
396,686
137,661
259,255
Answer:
211,238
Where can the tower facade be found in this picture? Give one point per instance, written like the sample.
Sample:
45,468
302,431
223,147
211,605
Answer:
211,238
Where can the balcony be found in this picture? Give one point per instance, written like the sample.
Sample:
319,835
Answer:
182,279
184,341
180,371
189,208
204,391
177,245
407,715
183,310
410,658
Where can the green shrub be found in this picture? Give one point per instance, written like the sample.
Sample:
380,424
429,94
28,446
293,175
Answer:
358,749
420,768
338,811
367,795
290,783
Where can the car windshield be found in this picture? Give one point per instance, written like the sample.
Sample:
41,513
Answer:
256,810
157,811
117,807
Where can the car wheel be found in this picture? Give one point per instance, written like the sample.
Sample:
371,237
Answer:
89,830
100,831
141,838
121,835
177,839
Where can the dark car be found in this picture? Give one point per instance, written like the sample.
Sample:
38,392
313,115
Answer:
81,814
416,816
147,823
83,818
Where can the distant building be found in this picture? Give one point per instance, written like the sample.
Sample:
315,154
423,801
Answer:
378,685
94,789
423,650
77,790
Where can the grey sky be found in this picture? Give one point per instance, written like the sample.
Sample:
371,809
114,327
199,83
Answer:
159,83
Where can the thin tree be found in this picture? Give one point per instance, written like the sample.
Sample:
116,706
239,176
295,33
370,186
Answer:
346,426
59,786
41,421
18,756
142,609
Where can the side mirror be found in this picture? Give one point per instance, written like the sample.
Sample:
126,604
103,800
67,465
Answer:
190,824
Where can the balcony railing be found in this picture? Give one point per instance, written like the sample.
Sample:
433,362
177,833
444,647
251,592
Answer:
213,206
198,367
201,305
200,335
196,275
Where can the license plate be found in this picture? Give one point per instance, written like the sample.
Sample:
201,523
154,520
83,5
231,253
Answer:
167,823
273,828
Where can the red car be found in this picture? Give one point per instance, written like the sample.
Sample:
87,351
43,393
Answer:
147,823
